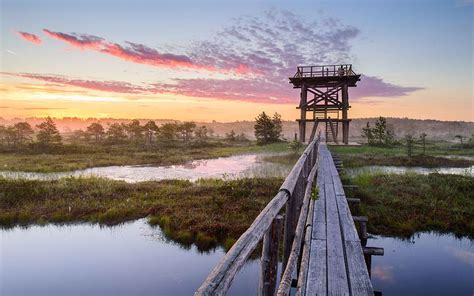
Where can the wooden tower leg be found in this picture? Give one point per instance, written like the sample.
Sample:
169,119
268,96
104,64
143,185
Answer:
302,124
345,132
345,107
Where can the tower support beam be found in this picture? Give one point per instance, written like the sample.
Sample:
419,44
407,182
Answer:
303,105
329,85
345,107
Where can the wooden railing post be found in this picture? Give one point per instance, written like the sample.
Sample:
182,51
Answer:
269,260
289,230
267,226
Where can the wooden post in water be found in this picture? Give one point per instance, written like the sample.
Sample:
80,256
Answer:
269,260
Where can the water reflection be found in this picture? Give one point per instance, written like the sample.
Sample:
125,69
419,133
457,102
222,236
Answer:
84,259
352,172
238,166
136,259
427,264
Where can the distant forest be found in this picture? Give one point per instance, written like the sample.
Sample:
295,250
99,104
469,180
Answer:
434,129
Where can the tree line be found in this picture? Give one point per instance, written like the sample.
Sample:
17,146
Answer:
21,133
148,134
46,134
382,135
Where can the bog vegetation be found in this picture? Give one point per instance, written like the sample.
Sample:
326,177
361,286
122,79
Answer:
208,212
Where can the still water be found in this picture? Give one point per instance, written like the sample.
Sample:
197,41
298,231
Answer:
238,166
427,264
83,259
232,167
135,259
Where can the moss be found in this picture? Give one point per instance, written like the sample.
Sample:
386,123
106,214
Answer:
357,156
205,213
229,243
69,157
404,204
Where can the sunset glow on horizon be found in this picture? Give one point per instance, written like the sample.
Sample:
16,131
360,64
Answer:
208,62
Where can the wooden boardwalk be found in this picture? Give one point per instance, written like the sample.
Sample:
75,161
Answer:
336,263
322,252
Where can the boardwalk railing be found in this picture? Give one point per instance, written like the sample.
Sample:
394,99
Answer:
295,193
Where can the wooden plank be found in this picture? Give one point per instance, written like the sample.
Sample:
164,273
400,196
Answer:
320,207
349,231
359,277
336,269
332,215
338,185
319,219
316,283
336,265
359,281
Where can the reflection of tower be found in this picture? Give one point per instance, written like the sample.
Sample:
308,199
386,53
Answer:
329,85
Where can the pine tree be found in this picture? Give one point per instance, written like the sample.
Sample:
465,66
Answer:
48,134
267,130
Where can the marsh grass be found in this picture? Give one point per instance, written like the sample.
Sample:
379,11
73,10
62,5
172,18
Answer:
73,159
214,212
207,212
435,156
404,204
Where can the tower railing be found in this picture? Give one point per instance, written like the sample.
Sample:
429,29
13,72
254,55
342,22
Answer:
324,71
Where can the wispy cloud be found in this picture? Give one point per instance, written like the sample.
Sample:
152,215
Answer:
271,47
42,108
10,51
370,86
131,52
82,41
264,51
29,37
107,86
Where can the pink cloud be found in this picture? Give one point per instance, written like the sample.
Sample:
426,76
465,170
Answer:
81,41
141,54
249,90
133,52
370,86
106,86
263,51
29,37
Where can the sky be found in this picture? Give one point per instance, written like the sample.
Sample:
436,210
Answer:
230,60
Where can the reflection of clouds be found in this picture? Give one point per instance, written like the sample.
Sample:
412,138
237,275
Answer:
383,273
462,255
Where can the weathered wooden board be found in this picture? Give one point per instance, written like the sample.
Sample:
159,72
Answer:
357,270
319,214
336,269
336,261
349,231
317,282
